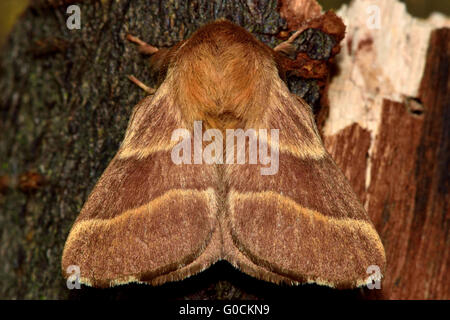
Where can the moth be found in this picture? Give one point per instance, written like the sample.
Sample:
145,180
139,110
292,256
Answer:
150,220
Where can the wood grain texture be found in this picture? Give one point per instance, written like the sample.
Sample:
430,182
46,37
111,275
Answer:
429,244
407,197
350,149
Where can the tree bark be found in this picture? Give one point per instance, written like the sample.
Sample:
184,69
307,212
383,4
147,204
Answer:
65,106
388,129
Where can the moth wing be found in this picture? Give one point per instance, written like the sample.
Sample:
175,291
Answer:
147,219
302,224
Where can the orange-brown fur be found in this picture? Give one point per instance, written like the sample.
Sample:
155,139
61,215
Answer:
223,74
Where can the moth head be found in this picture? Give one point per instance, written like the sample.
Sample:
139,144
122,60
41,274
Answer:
215,36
